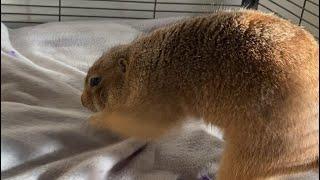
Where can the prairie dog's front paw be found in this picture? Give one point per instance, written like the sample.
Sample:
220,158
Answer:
127,125
112,121
96,119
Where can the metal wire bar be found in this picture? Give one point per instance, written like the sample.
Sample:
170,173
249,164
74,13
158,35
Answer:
299,17
250,4
168,3
154,9
313,3
146,2
59,10
28,5
176,3
26,22
284,8
178,11
311,24
301,7
98,8
266,7
196,4
93,16
31,14
72,15
81,7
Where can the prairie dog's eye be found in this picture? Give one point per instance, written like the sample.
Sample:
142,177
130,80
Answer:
94,81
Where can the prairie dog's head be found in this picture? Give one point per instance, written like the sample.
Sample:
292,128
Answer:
105,79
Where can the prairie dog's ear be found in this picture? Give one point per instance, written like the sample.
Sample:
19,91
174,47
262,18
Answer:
120,55
122,62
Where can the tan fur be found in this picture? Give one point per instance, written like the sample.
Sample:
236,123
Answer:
252,74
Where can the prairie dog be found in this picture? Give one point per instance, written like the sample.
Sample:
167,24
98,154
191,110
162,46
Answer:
252,74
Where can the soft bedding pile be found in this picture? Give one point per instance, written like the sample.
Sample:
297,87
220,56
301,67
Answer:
44,131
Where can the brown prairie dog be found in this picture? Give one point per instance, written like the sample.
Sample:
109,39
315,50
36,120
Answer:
252,74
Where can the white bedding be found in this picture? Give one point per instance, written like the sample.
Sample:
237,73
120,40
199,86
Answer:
44,132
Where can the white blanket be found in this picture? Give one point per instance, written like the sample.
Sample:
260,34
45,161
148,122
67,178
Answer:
44,132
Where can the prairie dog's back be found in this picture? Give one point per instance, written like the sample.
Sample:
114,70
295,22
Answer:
244,58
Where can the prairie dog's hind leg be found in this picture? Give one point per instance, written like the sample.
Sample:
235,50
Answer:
248,159
236,164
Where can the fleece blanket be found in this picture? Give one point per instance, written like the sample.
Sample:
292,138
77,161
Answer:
44,130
